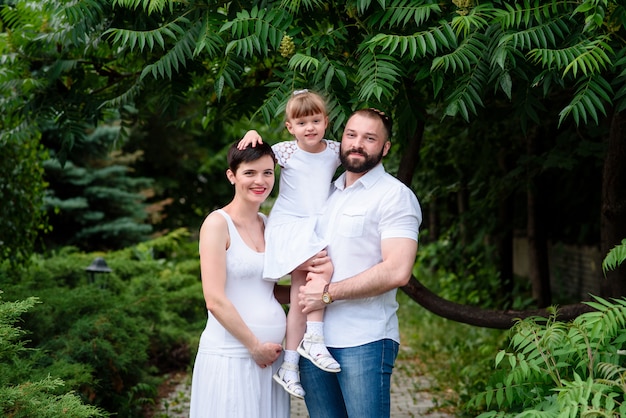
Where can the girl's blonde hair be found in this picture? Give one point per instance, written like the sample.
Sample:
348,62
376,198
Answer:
304,103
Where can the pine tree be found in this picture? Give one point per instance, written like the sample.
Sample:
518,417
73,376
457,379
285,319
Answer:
93,201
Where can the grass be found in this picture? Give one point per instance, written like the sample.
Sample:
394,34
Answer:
456,357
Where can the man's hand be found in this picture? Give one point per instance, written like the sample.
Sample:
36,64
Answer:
310,295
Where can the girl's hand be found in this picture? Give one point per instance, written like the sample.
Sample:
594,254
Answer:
250,138
320,263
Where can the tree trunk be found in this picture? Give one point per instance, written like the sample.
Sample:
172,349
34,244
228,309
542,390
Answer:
466,314
613,211
504,233
462,205
433,220
504,245
411,156
538,267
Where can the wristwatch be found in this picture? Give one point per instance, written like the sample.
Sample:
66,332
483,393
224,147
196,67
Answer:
326,298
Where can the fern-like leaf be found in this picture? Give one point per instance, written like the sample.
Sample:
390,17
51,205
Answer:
253,31
522,14
209,41
377,75
131,39
303,63
539,36
150,6
476,20
227,74
274,104
128,96
463,57
615,257
588,100
403,13
175,57
471,86
588,56
417,45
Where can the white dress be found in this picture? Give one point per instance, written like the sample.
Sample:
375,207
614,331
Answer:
226,381
305,179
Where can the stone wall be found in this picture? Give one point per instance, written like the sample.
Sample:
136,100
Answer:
575,271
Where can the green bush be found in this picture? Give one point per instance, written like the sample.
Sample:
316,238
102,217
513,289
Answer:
23,395
563,369
112,338
466,275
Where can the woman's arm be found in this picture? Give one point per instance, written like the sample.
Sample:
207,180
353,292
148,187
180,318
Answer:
214,240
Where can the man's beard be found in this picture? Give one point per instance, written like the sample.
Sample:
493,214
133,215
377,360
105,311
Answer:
359,166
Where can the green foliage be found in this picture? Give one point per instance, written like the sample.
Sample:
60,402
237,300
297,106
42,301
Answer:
109,339
93,200
21,192
615,257
21,395
559,369
193,68
465,275
456,356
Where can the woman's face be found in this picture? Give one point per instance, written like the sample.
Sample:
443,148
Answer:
254,180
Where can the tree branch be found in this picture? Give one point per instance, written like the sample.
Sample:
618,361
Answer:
480,317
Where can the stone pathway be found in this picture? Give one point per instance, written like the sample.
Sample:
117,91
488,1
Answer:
409,398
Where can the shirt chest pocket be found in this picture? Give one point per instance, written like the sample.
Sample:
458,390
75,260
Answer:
352,222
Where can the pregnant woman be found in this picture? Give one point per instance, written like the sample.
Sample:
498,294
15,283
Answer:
240,348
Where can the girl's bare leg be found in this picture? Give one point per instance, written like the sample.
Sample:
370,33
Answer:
288,375
312,346
296,320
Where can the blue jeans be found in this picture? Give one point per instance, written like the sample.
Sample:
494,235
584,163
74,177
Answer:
360,390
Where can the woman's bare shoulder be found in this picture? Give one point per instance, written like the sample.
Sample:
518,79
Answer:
214,221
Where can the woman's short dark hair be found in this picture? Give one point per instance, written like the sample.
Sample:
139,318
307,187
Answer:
236,157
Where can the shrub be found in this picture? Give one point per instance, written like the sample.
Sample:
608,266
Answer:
563,369
559,368
112,338
20,394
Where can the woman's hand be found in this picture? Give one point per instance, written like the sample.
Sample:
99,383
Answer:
265,354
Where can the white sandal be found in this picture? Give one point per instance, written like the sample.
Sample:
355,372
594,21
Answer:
293,387
324,361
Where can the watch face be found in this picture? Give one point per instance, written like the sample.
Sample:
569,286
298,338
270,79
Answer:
326,298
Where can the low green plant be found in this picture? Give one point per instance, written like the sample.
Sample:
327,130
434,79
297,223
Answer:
615,257
20,395
456,357
111,339
562,369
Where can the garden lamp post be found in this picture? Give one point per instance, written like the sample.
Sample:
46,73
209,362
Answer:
97,266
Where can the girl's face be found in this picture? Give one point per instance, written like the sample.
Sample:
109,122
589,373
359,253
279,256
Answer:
253,180
309,131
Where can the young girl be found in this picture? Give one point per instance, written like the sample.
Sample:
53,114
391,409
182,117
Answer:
307,168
